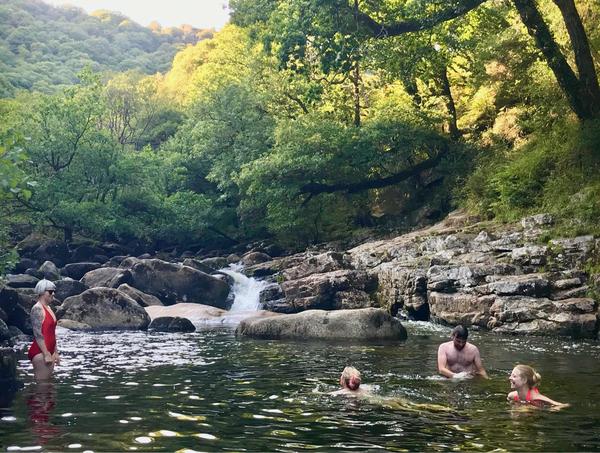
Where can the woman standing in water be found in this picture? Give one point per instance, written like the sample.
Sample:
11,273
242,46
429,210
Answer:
524,381
42,352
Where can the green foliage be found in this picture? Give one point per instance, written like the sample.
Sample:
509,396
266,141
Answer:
44,47
13,183
557,171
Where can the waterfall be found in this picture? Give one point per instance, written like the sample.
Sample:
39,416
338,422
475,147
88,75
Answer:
246,290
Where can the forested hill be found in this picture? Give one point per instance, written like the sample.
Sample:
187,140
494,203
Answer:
42,47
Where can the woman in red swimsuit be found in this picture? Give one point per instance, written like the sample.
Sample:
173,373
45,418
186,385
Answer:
524,381
42,352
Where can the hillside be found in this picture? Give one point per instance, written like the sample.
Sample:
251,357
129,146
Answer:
42,47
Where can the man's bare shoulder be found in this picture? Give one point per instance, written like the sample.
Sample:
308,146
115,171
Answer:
445,346
472,347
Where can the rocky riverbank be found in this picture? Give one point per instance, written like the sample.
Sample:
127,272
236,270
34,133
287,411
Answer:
508,278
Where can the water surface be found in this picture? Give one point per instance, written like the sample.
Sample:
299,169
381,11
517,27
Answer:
210,391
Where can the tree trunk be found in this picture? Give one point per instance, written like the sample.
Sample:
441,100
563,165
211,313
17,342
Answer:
567,79
68,234
449,100
356,93
588,78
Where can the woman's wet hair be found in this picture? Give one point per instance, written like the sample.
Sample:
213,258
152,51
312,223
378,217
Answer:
350,378
532,377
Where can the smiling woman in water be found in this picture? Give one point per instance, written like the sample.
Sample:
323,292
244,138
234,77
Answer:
524,381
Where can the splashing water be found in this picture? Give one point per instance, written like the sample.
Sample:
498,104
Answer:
246,290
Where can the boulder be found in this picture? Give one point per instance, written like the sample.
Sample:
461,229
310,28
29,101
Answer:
73,325
78,270
536,221
540,316
8,367
173,283
145,300
31,243
67,288
109,277
270,293
16,333
172,324
53,250
252,258
104,309
21,281
111,249
318,264
197,313
49,271
460,308
214,263
318,291
27,298
198,265
84,253
403,288
536,255
24,264
16,315
115,261
34,273
363,324
4,332
525,285
233,258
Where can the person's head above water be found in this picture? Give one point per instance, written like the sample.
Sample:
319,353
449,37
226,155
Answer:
43,286
524,374
350,378
459,337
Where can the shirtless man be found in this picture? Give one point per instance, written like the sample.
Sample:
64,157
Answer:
458,358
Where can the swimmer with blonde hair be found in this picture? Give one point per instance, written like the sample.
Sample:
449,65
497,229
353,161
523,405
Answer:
524,381
350,383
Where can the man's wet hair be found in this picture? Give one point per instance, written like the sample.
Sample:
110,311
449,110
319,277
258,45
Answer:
460,332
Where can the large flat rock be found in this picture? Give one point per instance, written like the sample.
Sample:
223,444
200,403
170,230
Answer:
204,315
362,324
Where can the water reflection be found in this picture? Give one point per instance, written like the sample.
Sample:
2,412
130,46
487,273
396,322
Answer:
41,403
210,391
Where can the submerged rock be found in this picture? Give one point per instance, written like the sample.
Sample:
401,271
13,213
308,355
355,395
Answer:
361,324
171,324
8,367
73,325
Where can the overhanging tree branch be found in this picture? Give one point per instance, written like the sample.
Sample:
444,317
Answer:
315,188
379,30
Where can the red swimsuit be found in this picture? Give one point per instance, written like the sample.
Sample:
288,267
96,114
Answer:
48,332
528,396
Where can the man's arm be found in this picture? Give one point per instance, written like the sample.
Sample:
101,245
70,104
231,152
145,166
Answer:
443,363
479,369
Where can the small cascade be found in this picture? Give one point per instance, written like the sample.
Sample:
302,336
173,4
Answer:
246,290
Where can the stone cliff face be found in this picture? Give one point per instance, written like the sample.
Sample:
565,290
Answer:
505,278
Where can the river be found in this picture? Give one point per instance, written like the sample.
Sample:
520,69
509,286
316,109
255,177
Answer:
210,391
